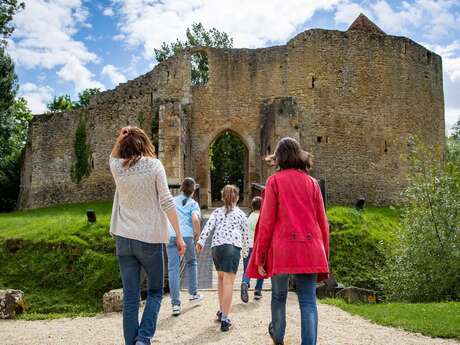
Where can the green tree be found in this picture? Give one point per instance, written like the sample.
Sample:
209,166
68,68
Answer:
456,130
60,103
8,8
84,97
426,264
18,117
227,159
196,36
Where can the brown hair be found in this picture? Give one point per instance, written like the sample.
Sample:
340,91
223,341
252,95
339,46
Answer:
188,188
132,143
289,155
256,203
230,196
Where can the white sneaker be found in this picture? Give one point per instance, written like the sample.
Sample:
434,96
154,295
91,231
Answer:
197,298
176,310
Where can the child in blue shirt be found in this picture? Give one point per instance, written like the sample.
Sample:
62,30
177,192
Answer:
189,215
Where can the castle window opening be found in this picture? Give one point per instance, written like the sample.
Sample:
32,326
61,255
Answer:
311,83
200,68
319,140
327,140
386,147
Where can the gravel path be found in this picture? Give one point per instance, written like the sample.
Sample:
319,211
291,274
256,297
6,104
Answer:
196,326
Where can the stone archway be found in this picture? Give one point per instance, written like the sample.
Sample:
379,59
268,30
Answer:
228,157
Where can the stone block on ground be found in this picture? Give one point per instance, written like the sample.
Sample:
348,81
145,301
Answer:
12,303
357,295
112,301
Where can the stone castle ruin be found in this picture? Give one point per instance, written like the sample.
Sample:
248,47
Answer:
353,98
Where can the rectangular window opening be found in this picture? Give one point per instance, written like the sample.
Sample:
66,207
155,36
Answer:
319,139
386,147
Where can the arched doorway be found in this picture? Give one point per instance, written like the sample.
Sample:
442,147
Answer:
228,164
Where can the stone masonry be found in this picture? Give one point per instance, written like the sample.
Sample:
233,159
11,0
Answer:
353,98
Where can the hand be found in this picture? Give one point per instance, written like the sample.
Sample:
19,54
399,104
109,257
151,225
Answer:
261,270
181,246
198,248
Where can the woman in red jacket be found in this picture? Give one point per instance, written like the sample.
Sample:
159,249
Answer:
292,238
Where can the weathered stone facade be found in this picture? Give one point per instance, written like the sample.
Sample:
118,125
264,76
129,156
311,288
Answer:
352,98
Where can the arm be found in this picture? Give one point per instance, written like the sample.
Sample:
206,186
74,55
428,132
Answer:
245,227
322,219
210,224
167,205
267,221
196,222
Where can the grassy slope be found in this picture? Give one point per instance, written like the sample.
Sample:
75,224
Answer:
432,319
61,262
64,264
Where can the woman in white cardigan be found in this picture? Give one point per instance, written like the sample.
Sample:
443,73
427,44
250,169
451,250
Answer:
141,208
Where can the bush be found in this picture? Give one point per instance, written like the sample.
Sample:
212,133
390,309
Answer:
10,171
360,244
426,264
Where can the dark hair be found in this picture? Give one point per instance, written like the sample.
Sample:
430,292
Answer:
132,143
188,188
256,203
289,155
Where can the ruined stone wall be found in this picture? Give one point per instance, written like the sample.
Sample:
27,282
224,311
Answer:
352,98
239,82
47,168
370,93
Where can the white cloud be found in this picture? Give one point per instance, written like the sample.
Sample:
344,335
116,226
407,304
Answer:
432,18
37,96
108,11
115,76
44,39
252,23
347,12
452,116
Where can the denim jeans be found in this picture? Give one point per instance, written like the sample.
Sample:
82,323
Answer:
174,269
132,255
306,292
246,279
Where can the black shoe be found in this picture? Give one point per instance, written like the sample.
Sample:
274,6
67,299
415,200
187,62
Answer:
272,334
225,325
219,316
257,295
244,293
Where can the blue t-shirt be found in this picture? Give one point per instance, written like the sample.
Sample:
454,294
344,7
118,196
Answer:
184,213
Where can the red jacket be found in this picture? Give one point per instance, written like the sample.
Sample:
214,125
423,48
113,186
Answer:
292,235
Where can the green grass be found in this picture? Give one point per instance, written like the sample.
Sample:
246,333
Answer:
431,319
53,223
64,264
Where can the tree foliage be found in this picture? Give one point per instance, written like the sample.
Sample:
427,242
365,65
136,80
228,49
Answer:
196,36
65,103
84,97
227,161
60,103
8,8
426,264
16,124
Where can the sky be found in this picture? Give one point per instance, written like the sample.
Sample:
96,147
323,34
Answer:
64,46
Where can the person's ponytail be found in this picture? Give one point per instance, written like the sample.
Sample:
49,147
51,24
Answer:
230,196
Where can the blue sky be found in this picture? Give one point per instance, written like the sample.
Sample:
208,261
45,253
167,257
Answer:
64,46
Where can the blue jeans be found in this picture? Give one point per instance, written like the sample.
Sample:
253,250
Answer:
132,255
246,279
174,269
306,292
